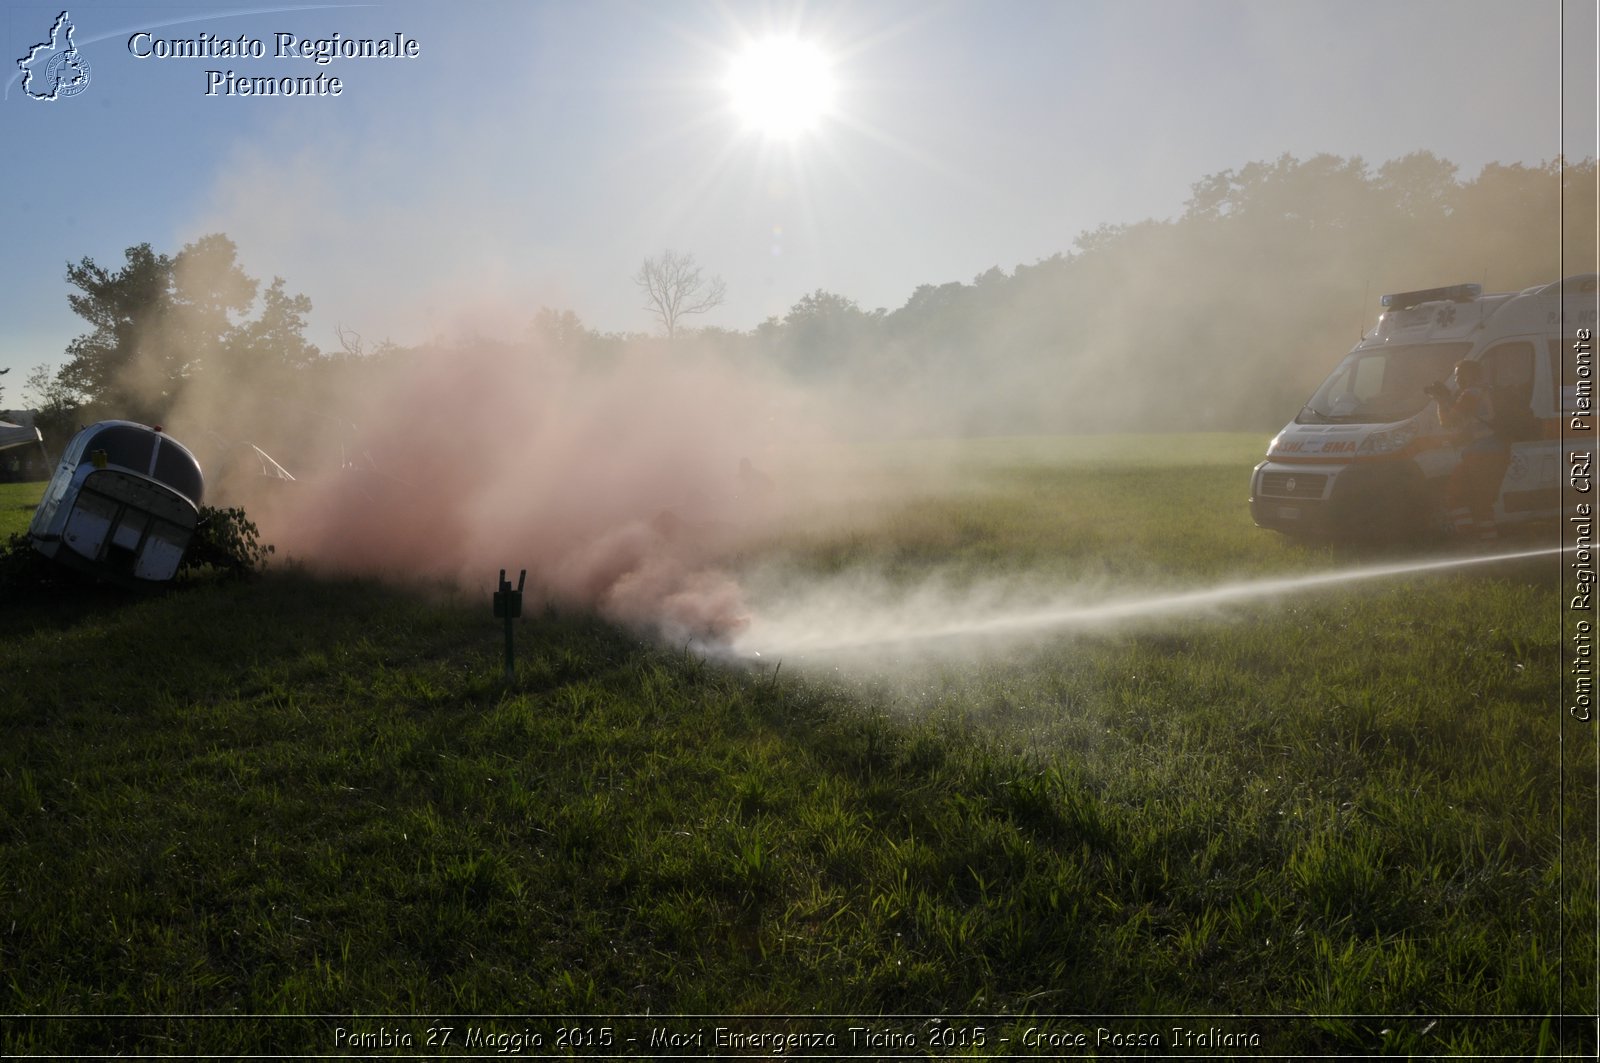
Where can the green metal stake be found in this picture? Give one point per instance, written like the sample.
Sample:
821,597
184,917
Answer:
508,604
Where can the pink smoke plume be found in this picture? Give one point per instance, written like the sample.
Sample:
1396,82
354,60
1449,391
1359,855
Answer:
617,488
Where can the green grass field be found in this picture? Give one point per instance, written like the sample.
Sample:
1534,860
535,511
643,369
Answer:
16,507
1348,817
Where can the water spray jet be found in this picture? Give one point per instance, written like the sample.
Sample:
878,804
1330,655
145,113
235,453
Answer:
888,630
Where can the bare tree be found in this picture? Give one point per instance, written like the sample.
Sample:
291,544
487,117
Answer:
350,340
673,289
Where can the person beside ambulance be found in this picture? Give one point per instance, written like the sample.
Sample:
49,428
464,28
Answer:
1474,484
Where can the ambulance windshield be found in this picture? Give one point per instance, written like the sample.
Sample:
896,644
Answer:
1381,385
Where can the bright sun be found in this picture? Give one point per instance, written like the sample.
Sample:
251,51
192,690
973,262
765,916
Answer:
781,86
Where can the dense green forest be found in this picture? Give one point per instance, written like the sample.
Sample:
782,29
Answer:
1222,318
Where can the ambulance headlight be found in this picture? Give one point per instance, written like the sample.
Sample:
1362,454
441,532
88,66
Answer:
1388,441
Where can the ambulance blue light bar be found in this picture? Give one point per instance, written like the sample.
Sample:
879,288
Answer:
1459,293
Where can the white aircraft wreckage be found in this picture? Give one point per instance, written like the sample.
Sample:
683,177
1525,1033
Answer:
122,505
125,499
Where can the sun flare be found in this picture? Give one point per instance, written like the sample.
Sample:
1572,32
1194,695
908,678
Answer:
781,87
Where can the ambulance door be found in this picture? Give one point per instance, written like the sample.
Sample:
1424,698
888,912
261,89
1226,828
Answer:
1514,370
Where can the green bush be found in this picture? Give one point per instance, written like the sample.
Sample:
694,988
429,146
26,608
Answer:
227,541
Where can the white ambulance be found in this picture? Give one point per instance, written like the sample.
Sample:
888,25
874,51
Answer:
1366,455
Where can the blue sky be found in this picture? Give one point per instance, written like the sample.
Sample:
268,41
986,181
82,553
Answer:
535,152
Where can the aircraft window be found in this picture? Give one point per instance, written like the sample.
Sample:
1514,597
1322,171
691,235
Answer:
125,446
178,471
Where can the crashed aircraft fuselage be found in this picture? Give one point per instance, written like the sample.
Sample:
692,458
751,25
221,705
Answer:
122,505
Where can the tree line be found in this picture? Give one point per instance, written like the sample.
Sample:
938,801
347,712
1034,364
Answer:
1224,317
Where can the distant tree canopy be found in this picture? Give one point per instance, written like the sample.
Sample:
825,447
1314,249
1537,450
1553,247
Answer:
562,330
162,322
1224,317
